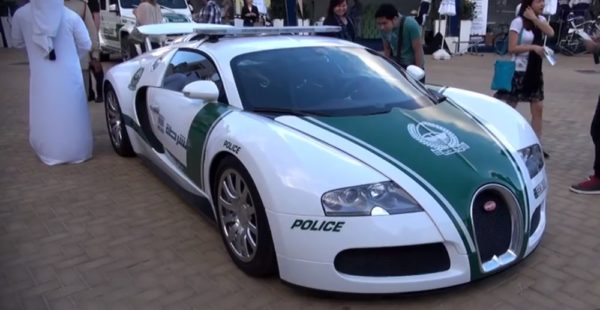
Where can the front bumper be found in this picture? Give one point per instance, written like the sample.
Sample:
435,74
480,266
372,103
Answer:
309,249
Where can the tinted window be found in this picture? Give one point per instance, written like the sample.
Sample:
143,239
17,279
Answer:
329,80
188,66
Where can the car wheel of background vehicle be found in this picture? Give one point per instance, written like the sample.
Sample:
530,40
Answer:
104,57
242,220
125,48
115,124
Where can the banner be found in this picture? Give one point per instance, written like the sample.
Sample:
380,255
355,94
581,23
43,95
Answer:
447,7
479,25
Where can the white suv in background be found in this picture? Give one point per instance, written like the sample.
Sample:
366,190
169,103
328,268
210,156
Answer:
118,21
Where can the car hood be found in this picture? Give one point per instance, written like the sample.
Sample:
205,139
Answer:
444,149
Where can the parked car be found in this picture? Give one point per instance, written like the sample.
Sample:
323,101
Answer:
325,163
117,22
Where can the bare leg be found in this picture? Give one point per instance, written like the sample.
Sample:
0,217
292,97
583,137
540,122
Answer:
537,108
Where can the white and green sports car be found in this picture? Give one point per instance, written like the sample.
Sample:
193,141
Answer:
323,162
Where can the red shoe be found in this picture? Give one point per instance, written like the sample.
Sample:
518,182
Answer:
590,186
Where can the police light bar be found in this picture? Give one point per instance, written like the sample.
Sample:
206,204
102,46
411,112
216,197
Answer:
249,31
176,28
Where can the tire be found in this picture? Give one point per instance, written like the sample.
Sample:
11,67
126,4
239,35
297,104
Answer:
566,51
572,45
126,47
104,57
242,220
115,125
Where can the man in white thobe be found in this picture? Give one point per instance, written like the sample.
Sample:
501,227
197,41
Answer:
59,120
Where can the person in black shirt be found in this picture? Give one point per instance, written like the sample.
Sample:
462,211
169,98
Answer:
337,15
249,13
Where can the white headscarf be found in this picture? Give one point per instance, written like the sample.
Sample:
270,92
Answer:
47,15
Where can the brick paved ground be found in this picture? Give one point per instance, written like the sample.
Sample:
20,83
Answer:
108,234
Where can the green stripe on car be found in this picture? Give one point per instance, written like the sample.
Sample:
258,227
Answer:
522,200
202,125
410,140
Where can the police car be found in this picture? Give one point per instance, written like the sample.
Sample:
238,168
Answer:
323,162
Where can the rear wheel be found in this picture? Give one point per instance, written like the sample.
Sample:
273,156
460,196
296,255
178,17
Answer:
104,56
242,219
572,45
126,47
115,124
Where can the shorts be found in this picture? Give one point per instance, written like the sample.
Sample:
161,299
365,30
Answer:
518,93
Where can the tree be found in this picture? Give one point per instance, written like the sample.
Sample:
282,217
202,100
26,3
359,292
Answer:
467,10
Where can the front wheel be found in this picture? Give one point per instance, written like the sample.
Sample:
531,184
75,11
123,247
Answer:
115,124
104,56
126,49
242,220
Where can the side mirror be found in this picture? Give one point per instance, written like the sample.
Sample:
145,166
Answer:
112,8
415,72
205,90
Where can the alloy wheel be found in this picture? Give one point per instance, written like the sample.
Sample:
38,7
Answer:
237,214
113,117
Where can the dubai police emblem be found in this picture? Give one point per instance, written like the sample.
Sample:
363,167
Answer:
440,140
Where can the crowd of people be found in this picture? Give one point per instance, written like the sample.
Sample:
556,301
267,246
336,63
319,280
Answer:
63,50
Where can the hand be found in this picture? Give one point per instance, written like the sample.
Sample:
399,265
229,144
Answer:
530,14
539,50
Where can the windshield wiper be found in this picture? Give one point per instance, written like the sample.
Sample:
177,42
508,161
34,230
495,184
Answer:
436,96
287,111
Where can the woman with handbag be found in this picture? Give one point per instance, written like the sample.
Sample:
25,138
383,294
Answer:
526,44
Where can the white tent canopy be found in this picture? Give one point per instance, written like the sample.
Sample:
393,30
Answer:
550,7
448,8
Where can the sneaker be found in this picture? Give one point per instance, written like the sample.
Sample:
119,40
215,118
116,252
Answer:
99,99
590,186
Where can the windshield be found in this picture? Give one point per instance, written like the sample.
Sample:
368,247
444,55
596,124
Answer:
173,4
325,81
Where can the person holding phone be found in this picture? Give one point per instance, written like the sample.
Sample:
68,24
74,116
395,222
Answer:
526,43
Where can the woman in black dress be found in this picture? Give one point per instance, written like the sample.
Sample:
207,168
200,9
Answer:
249,13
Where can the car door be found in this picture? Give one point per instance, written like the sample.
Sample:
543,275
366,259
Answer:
109,25
170,112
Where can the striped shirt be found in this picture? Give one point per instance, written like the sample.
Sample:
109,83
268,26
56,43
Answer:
210,13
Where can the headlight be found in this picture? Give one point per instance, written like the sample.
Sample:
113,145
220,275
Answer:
534,160
383,198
